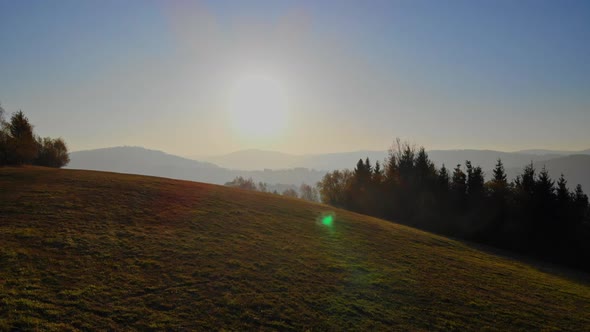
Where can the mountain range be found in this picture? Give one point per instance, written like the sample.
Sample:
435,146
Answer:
139,160
289,170
260,159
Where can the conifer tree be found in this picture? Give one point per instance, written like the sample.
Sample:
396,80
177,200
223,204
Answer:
459,188
580,202
499,174
475,180
22,143
563,194
443,180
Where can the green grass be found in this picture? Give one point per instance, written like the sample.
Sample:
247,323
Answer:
82,250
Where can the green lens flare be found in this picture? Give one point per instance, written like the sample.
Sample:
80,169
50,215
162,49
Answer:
328,220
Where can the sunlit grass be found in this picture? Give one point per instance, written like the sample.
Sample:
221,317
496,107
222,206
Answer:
83,250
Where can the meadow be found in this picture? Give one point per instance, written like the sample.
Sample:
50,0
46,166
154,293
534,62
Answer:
85,250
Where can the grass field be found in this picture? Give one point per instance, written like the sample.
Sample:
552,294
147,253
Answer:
82,250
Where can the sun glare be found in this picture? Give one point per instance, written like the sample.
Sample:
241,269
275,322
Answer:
258,106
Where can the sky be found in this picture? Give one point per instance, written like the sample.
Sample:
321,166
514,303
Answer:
192,77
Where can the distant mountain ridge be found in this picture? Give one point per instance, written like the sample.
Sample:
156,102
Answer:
559,152
254,159
138,160
260,159
121,157
276,168
576,169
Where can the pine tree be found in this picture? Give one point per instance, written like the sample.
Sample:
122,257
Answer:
475,180
580,202
499,196
425,169
525,183
498,186
544,189
22,143
563,194
443,179
499,174
459,188
377,174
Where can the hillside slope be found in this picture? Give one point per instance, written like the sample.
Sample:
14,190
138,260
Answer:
102,251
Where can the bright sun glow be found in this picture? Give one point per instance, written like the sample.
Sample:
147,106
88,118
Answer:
258,106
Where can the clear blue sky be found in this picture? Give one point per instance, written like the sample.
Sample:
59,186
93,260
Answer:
504,75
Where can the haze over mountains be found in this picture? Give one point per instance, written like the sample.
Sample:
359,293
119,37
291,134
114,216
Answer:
287,170
254,159
138,160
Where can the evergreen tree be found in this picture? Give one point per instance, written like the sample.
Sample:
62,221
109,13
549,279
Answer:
425,170
523,210
580,202
362,171
498,205
443,180
525,183
563,194
390,186
498,186
544,209
22,143
475,181
378,175
565,228
544,186
406,164
499,174
459,189
359,196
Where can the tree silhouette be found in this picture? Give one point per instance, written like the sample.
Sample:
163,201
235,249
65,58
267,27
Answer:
51,152
240,182
459,189
499,192
19,146
333,187
475,184
22,144
290,193
580,202
308,193
544,209
532,214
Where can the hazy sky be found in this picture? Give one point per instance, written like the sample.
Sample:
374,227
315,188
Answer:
351,75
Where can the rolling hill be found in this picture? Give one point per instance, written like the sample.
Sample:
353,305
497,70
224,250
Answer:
85,250
138,160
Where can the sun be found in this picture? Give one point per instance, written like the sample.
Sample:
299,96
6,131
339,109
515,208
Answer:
258,107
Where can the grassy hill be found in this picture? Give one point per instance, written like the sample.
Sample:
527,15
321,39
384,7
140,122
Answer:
102,251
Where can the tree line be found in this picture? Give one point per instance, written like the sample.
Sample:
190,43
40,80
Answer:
20,146
532,214
306,191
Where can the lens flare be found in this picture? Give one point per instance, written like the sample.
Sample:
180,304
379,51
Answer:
328,220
